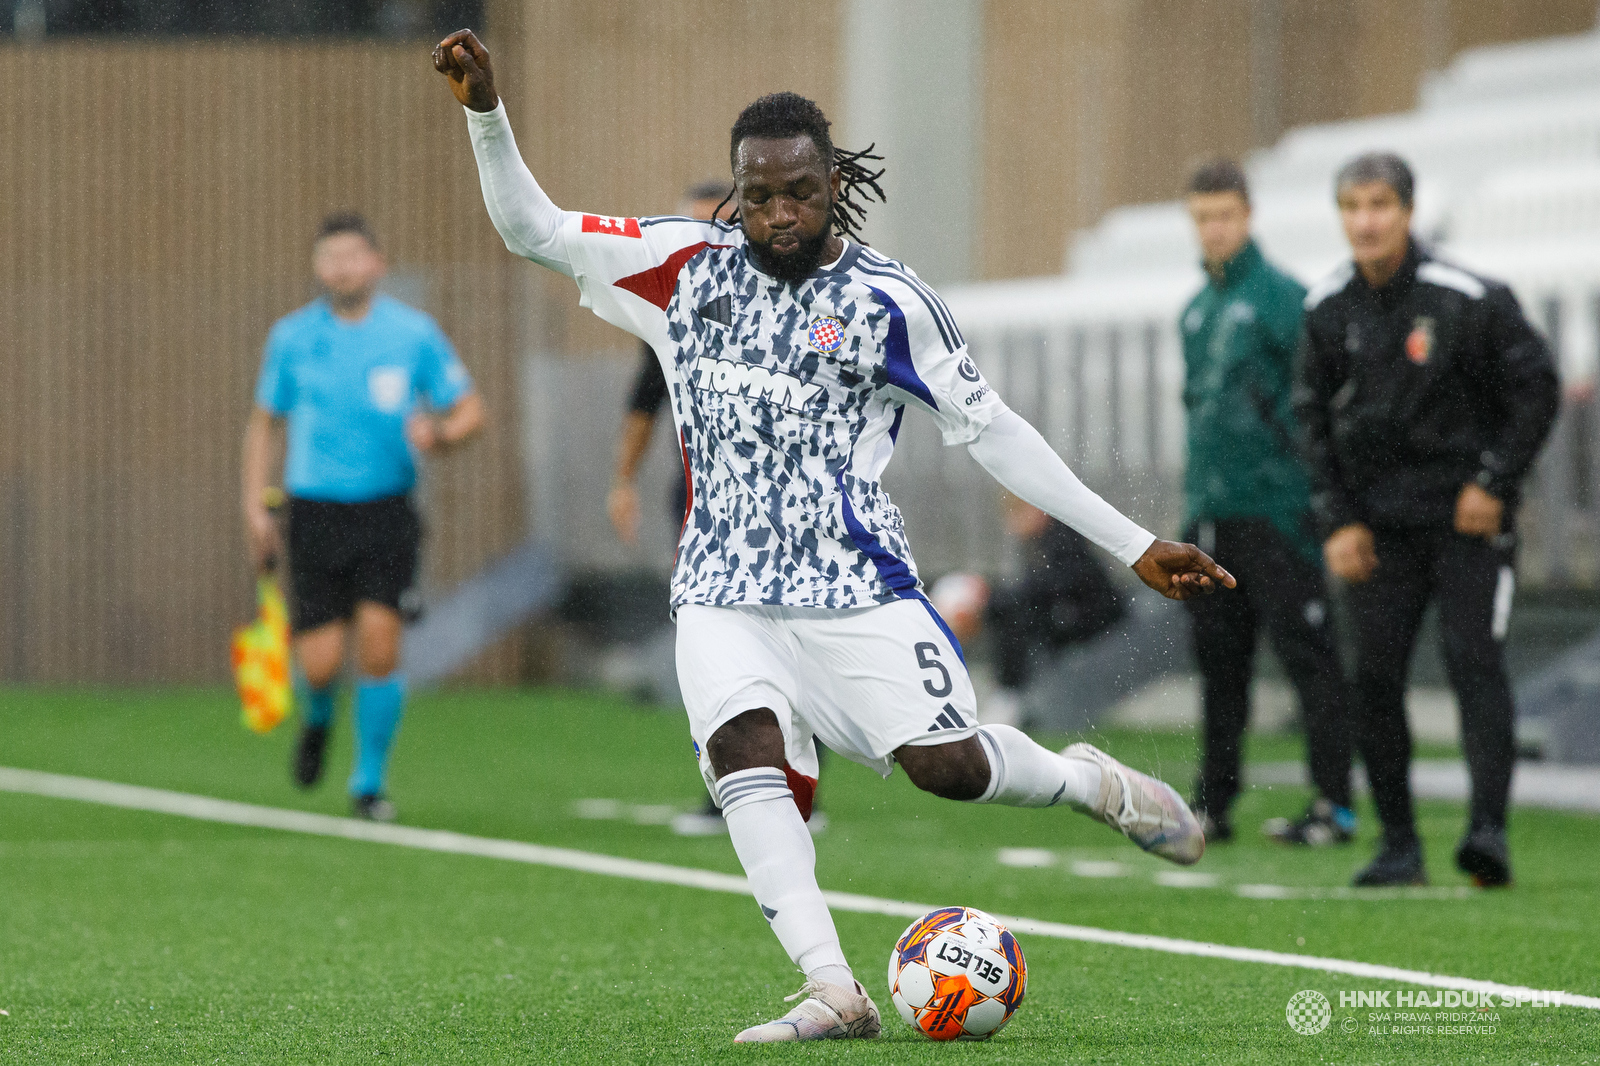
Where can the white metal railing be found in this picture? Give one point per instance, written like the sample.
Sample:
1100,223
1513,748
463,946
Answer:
1506,147
1105,387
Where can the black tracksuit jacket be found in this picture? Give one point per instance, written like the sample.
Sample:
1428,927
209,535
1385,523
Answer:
1406,393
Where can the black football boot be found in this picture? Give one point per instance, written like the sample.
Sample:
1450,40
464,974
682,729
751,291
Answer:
1484,854
372,809
1397,863
306,769
1217,828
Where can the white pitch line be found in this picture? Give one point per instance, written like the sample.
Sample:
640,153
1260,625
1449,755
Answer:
206,808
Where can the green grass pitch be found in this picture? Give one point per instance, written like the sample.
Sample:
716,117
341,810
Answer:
128,937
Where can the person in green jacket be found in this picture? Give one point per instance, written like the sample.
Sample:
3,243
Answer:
1248,506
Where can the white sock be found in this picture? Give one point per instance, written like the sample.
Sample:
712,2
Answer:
834,974
781,862
1023,774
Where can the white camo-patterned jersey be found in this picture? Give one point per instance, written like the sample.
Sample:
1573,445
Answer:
788,400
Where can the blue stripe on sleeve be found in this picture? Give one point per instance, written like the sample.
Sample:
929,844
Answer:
897,354
881,266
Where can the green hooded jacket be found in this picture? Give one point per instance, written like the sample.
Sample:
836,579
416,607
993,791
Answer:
1240,334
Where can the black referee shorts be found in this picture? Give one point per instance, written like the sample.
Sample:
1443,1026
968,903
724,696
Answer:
341,553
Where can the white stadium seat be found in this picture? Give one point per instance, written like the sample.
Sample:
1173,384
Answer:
1506,147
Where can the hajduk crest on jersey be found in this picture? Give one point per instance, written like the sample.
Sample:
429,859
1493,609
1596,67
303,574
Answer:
826,334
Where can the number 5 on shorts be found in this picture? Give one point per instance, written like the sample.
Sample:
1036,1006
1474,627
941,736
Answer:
928,659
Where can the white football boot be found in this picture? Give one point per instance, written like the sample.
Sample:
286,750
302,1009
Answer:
1149,812
832,1012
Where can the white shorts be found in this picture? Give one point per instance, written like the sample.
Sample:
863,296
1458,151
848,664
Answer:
864,681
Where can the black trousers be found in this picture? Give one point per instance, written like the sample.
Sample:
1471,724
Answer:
1282,589
1014,632
1473,581
1026,633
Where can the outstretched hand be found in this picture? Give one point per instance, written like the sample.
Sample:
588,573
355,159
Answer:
463,59
1179,571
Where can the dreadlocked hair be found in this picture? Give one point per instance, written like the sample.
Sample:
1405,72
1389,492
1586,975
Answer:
781,115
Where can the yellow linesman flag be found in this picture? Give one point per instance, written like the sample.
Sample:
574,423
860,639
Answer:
261,660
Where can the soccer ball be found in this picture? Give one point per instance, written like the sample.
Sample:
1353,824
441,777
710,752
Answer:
957,974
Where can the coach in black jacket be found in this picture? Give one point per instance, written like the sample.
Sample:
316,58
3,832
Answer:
1423,396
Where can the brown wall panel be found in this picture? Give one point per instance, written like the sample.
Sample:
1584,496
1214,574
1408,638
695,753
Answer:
619,106
1097,103
1477,22
156,222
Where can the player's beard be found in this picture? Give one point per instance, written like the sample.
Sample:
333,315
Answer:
791,266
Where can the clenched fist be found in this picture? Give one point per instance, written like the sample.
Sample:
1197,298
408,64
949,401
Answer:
463,59
1350,553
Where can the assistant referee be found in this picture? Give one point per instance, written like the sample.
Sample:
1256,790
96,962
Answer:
365,384
1424,396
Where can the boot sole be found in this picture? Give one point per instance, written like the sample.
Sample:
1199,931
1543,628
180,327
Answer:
1487,871
305,780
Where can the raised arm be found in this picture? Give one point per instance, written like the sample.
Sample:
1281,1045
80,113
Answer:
526,219
1018,457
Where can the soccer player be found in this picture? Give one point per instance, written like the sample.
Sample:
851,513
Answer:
707,200
366,384
792,352
1249,505
1424,396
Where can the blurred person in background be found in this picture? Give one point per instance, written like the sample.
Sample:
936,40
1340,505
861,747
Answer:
365,384
1248,506
707,200
1061,596
649,394
1424,396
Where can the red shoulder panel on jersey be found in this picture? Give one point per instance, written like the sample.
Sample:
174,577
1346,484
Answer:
618,227
657,283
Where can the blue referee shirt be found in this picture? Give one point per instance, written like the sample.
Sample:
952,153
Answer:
347,389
